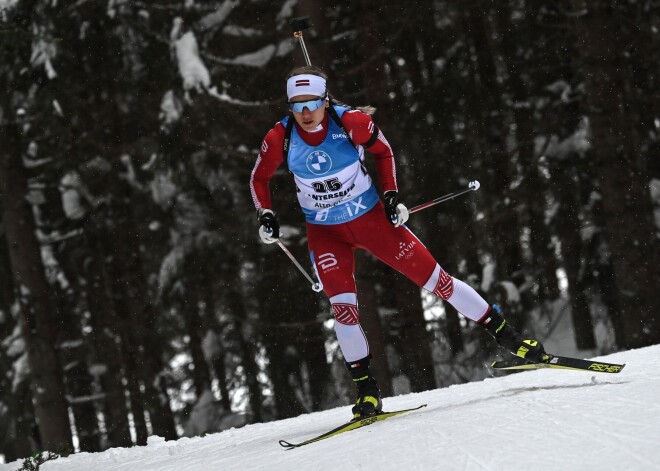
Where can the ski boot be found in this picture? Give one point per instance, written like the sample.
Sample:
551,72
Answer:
510,339
368,402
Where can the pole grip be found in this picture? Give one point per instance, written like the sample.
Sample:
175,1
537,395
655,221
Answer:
299,24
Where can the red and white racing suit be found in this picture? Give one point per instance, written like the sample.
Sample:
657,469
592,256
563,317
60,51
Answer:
338,222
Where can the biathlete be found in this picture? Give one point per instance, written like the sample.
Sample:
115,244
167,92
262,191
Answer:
323,144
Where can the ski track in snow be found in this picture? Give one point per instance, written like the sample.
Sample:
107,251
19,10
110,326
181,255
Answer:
539,420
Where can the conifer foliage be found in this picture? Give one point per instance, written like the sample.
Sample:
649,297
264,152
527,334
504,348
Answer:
135,297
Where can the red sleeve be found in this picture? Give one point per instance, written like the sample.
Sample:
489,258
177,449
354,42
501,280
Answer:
270,158
360,126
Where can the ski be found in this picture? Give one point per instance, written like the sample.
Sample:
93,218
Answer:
559,362
352,425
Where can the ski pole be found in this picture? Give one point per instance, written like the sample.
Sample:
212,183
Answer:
298,25
472,186
315,286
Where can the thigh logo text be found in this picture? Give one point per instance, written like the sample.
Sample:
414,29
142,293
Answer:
327,260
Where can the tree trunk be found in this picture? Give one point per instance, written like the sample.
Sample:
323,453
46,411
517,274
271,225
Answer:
155,396
312,343
246,343
487,128
532,193
19,426
130,336
309,339
453,330
281,340
38,308
413,340
371,322
217,362
249,361
78,381
622,171
122,238
134,387
106,350
79,385
193,321
221,375
574,255
318,37
17,419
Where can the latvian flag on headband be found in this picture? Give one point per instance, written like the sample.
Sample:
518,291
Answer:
303,84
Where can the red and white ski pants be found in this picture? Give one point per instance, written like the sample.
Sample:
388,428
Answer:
332,247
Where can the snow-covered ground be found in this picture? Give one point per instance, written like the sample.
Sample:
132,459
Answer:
539,420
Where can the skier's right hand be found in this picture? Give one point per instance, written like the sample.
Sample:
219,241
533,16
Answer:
269,231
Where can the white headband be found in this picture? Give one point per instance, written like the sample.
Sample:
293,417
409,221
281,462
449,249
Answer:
305,84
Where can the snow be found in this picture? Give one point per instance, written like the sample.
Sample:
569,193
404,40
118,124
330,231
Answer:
75,196
576,144
207,416
7,4
260,57
224,96
194,73
163,189
541,420
255,59
286,11
171,108
488,276
234,30
20,369
43,52
655,197
219,16
512,293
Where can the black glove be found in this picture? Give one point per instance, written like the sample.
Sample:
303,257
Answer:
269,231
396,212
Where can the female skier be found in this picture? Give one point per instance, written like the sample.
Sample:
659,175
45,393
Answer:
323,147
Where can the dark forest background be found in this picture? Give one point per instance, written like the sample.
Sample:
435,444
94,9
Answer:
135,295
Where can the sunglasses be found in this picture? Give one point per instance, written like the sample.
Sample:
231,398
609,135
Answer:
311,105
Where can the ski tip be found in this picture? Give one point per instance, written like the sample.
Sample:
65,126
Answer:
419,407
286,444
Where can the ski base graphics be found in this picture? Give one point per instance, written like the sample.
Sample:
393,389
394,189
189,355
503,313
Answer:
352,425
559,362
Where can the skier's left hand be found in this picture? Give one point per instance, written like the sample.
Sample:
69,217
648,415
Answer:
397,213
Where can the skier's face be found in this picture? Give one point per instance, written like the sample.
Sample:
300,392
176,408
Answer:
309,119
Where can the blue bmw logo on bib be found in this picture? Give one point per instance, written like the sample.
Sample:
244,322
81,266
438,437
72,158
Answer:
319,163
